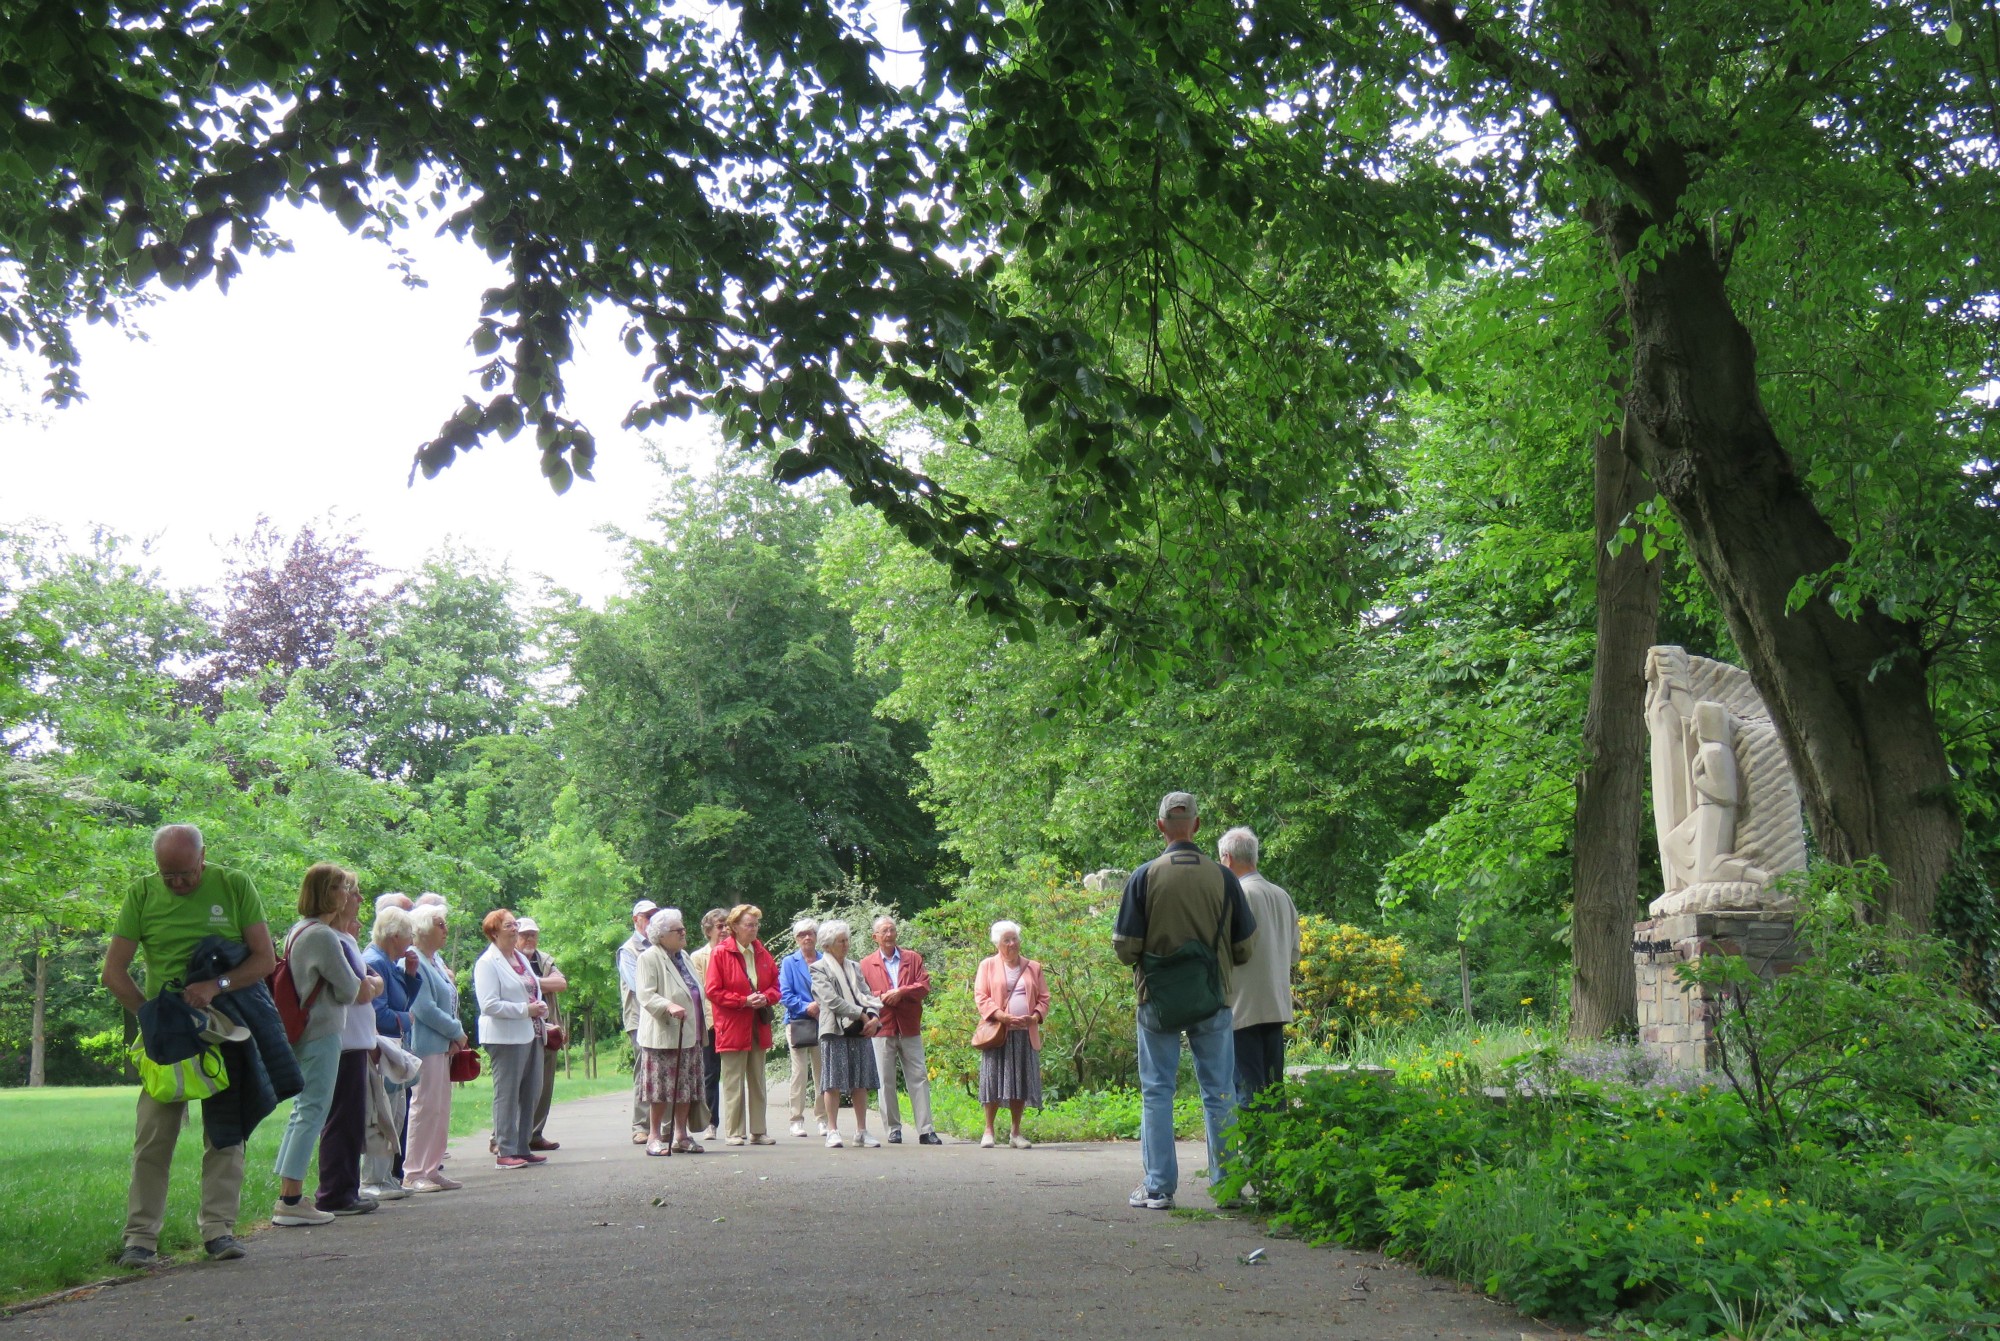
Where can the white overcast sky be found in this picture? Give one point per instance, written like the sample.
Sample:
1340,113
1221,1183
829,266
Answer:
304,392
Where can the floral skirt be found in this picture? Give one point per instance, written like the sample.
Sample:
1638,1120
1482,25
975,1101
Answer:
1011,1074
667,1076
847,1063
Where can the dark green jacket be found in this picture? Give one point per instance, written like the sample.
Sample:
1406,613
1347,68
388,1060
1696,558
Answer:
1177,897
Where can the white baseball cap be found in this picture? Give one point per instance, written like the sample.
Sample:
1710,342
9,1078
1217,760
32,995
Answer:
645,906
524,925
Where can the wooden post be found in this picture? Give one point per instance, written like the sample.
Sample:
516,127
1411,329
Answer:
1464,981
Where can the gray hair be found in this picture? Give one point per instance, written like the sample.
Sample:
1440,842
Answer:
425,917
804,924
880,918
393,899
393,921
167,832
663,921
430,899
1002,927
1239,843
835,930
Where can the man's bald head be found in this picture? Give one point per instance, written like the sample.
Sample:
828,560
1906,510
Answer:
179,855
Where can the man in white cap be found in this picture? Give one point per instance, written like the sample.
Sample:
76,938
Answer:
628,1001
1179,912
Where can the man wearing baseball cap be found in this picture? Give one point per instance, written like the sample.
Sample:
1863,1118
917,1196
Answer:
1178,903
628,1001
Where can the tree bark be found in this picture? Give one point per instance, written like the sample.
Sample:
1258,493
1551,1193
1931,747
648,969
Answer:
38,1024
1849,695
1610,815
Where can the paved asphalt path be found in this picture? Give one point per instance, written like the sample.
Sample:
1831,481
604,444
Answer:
778,1243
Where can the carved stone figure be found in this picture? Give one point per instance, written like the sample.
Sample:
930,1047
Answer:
1725,804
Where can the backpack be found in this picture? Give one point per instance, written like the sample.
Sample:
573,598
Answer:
285,992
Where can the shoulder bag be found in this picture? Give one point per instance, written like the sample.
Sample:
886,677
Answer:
1184,986
285,993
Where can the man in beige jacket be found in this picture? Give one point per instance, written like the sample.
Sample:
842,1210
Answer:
1260,992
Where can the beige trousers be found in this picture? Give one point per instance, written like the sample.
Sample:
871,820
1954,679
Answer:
907,1049
805,1082
156,1132
743,1077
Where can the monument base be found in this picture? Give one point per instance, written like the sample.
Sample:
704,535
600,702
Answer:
1721,896
1677,1022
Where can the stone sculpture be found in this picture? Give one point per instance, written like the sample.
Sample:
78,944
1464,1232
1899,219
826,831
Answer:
1725,803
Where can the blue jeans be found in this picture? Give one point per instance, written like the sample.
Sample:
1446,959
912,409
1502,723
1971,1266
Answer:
319,1061
1213,1043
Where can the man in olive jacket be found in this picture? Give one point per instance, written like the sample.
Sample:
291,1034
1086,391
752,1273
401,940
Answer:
1181,896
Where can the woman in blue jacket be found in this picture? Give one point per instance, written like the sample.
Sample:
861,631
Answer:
391,954
435,1033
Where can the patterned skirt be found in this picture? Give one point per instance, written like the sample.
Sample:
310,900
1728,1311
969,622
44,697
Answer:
847,1063
1011,1074
667,1076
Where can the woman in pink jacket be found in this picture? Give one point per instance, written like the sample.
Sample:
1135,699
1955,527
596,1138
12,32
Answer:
1012,991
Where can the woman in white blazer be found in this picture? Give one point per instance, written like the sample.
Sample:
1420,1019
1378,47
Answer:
848,1017
435,1034
511,1011
667,1074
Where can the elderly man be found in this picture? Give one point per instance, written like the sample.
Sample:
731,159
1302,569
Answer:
1260,993
899,977
1178,901
164,916
802,1022
553,985
628,1004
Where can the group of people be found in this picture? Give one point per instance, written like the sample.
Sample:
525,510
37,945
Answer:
703,1022
370,1068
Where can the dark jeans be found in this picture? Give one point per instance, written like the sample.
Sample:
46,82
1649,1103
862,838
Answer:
711,1080
344,1137
1260,1059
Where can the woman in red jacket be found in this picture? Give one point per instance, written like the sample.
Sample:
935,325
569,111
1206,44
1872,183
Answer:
743,987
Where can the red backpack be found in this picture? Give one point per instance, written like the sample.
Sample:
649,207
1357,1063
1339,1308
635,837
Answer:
285,993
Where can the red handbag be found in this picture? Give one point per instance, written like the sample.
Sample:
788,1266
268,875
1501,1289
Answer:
464,1066
555,1039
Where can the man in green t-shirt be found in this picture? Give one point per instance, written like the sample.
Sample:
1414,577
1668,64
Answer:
165,916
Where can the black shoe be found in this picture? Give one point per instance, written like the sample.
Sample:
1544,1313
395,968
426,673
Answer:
359,1206
223,1248
136,1258
895,1138
930,1138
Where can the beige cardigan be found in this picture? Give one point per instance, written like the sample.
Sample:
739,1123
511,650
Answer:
659,985
843,997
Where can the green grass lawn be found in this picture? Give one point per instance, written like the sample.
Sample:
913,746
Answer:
66,1162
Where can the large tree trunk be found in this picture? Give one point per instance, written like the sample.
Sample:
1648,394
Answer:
1849,695
1610,790
38,1021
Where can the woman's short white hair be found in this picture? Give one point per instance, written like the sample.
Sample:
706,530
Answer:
430,898
1002,927
393,922
665,920
424,917
835,930
804,924
1240,843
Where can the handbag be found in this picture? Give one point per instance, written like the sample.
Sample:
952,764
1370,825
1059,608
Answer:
989,1035
803,1032
555,1039
1184,986
202,1076
464,1066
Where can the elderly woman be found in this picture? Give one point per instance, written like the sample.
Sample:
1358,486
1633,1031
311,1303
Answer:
435,1034
344,1138
511,1011
848,1017
714,931
742,986
327,983
1011,991
391,956
667,1076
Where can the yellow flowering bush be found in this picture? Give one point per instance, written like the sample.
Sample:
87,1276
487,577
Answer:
1349,980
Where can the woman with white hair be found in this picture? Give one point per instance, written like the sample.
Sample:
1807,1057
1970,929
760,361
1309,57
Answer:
435,1033
1011,992
848,1017
667,1077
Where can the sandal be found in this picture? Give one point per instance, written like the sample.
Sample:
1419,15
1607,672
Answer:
658,1148
689,1147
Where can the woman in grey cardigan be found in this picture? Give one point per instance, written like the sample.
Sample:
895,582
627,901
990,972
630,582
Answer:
847,1021
327,984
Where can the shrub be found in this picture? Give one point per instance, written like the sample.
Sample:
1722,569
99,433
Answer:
1350,981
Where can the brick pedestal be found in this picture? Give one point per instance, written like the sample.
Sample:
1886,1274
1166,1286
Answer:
1676,1023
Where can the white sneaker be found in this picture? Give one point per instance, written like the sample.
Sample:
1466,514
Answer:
384,1191
798,1127
423,1185
305,1213
986,1141
822,1126
833,1141
868,1142
1020,1142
